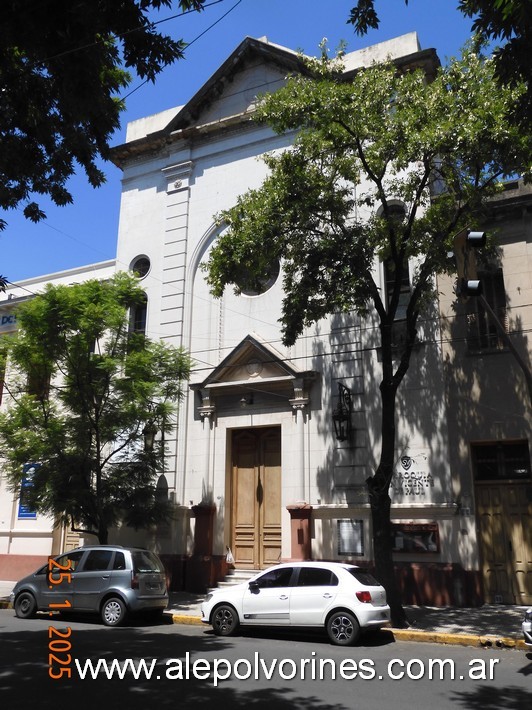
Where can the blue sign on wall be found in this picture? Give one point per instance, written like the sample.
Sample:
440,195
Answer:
25,511
8,321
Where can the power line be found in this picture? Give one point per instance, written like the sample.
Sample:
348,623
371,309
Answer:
84,47
123,98
349,351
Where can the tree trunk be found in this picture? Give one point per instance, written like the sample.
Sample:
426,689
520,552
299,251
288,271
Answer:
382,550
379,493
103,534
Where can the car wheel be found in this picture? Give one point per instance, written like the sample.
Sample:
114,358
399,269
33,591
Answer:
224,620
342,628
25,605
114,612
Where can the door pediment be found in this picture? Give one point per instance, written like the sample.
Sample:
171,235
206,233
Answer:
254,366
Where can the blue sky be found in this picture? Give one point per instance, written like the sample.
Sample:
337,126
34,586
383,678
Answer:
85,232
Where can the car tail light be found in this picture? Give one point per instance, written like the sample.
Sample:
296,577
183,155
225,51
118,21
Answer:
134,581
364,597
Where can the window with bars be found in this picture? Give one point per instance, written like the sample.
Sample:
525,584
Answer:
501,460
482,334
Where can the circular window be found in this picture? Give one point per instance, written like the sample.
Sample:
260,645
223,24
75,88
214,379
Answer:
396,210
140,266
266,282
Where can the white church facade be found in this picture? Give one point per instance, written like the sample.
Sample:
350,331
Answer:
273,445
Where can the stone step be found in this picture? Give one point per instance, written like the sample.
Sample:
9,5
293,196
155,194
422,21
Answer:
241,573
236,576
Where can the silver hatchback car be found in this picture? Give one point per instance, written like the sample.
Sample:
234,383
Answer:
110,580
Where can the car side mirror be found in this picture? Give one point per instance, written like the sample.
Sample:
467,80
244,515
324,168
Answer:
254,587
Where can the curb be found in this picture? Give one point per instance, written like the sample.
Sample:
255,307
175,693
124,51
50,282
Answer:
187,619
487,642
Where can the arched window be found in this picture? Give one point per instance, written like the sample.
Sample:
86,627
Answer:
396,212
404,292
138,317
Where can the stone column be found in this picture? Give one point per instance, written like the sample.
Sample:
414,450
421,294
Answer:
299,404
207,412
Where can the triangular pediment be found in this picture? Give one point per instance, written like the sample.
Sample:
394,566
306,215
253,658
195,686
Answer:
255,67
254,362
227,98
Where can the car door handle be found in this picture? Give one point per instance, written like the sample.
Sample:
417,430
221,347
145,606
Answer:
105,576
327,596
283,596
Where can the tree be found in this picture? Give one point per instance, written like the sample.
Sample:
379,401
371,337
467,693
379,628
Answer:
87,399
62,65
493,20
328,211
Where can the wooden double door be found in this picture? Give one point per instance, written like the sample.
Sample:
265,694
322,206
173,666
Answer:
504,515
256,497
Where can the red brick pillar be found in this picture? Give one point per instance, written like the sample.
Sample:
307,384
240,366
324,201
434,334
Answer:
204,528
300,514
200,569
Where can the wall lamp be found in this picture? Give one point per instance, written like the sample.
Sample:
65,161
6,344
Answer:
246,401
149,432
341,415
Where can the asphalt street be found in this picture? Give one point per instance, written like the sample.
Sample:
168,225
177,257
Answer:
187,666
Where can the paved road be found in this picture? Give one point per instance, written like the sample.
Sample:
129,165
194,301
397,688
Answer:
269,666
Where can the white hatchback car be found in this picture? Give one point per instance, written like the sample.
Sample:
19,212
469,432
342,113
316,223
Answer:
342,598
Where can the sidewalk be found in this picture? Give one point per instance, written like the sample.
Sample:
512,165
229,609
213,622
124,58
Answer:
490,626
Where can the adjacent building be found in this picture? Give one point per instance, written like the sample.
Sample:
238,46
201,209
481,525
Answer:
488,375
26,537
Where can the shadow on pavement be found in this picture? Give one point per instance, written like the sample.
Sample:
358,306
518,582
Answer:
487,697
25,683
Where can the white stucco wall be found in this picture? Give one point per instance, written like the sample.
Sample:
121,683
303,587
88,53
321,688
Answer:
168,210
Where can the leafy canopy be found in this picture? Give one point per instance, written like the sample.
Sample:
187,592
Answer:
493,20
385,167
62,65
328,207
83,393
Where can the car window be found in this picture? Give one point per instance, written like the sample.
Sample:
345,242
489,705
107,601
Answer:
364,577
275,578
74,557
144,561
120,561
316,577
97,560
